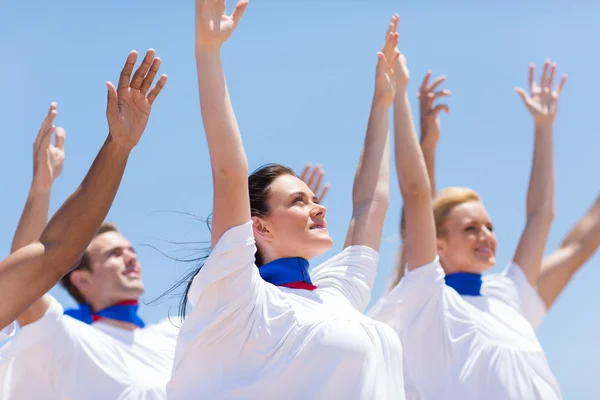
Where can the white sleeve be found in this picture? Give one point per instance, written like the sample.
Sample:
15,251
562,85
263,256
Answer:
532,305
350,274
408,299
226,292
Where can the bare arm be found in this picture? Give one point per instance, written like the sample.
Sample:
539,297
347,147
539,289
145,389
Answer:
420,240
542,105
430,135
48,162
32,270
575,250
370,193
231,204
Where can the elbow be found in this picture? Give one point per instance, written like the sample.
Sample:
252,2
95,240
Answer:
544,212
416,192
231,172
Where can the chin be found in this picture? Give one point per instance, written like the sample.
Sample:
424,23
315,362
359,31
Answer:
319,246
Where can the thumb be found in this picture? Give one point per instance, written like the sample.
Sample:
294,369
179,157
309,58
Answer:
238,11
112,104
523,94
381,63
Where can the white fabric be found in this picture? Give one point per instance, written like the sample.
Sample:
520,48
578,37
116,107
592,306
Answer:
7,331
467,347
248,339
533,306
58,357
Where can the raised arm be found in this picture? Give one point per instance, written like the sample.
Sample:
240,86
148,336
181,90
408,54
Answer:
430,135
575,250
370,193
542,104
48,161
231,204
419,241
32,270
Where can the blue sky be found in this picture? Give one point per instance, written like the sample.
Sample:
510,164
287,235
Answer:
301,79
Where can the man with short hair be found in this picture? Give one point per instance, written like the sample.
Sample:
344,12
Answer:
102,349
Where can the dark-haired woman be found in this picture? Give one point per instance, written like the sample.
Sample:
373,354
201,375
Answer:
275,331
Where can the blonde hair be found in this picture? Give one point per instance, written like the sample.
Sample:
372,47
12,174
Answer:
444,201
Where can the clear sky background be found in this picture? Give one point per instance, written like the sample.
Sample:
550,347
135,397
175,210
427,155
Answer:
301,78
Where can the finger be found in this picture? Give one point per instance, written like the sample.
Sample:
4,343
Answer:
151,74
441,93
439,108
112,103
561,84
238,11
46,139
317,184
141,72
523,95
395,20
162,81
551,78
390,45
46,123
323,193
425,82
531,78
127,70
305,172
394,59
312,176
437,82
59,138
544,78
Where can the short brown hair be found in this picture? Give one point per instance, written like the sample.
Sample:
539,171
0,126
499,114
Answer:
84,264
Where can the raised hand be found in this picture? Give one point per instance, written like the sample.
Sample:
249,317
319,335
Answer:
400,68
314,179
542,100
128,107
48,158
429,112
213,25
385,79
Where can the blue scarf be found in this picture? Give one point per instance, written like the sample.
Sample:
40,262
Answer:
465,283
125,311
289,272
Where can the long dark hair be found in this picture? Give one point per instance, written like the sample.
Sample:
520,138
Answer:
259,184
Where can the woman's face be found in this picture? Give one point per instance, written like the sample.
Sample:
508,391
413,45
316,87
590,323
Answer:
469,244
296,225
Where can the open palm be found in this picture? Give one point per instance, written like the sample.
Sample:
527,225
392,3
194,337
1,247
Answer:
129,106
542,100
213,25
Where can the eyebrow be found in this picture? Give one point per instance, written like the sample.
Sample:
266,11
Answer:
107,252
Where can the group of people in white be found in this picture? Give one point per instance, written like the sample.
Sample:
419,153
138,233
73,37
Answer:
262,325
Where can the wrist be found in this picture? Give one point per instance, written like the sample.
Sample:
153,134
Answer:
117,147
207,51
543,126
40,187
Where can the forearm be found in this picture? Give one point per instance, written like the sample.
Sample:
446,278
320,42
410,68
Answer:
540,195
419,242
410,165
370,193
34,217
575,250
372,179
220,125
428,150
73,226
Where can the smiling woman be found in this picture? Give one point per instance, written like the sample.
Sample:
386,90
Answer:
258,314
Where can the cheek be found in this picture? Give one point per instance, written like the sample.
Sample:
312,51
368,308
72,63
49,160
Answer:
294,218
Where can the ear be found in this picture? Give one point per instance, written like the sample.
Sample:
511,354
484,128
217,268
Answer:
261,229
81,279
441,246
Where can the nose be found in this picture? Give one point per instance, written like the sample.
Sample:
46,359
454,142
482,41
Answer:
130,257
318,210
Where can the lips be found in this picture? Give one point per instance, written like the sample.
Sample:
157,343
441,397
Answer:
485,250
318,226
